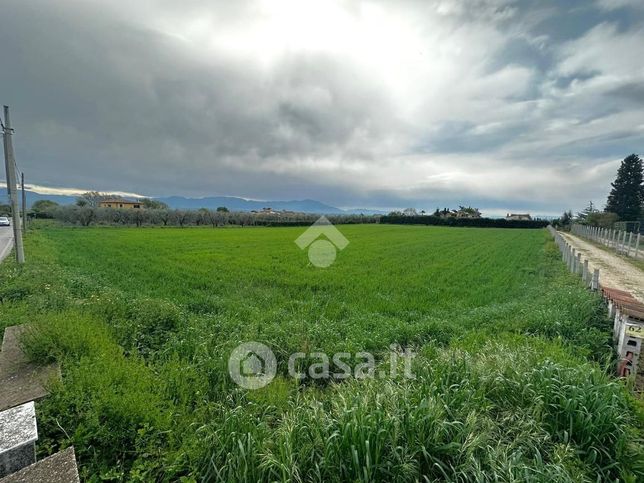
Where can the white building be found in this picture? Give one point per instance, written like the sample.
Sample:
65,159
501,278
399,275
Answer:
518,217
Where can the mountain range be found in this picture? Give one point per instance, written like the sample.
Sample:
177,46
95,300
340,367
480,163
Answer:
231,202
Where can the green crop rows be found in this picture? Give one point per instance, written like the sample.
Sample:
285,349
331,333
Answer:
512,374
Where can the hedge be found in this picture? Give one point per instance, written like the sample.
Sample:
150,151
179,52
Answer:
466,222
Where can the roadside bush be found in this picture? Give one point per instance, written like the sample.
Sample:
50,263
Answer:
106,408
107,402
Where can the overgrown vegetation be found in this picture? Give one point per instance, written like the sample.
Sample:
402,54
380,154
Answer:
511,380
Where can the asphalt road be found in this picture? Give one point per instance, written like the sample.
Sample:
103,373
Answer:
6,241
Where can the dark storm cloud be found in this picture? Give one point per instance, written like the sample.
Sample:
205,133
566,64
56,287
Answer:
372,104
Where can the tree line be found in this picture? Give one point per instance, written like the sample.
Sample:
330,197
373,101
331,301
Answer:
625,202
401,219
91,215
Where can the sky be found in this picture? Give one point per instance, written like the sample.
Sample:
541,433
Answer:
499,104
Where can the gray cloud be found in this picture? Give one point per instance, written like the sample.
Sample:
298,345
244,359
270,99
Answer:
371,104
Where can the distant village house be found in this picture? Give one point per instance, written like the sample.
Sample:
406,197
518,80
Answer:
518,217
469,212
121,204
462,212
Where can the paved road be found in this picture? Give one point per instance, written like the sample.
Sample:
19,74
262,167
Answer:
6,241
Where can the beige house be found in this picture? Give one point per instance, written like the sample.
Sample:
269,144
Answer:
471,213
121,204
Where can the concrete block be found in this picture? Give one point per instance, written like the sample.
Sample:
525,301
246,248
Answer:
630,355
630,336
58,468
18,435
20,379
611,309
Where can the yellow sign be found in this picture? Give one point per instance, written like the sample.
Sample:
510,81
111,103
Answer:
635,331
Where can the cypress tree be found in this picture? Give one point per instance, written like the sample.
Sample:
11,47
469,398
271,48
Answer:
627,196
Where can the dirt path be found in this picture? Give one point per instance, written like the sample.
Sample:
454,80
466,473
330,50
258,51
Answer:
613,271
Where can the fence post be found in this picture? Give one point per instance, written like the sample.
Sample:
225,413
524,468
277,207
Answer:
578,267
595,283
637,245
575,256
630,242
585,272
571,262
616,241
623,242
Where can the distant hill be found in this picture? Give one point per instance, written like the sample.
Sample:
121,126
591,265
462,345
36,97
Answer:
241,204
231,202
32,197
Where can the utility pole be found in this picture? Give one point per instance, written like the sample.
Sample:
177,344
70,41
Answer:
24,204
10,165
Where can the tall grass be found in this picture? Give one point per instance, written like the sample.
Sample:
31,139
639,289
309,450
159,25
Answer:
511,380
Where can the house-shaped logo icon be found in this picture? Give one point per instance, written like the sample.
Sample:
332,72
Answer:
323,240
251,365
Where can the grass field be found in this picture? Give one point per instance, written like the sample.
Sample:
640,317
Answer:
512,369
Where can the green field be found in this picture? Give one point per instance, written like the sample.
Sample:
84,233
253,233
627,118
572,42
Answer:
512,368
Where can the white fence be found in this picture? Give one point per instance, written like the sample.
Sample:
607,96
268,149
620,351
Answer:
623,242
626,312
573,261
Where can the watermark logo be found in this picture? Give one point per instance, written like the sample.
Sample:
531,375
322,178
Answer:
322,251
252,365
